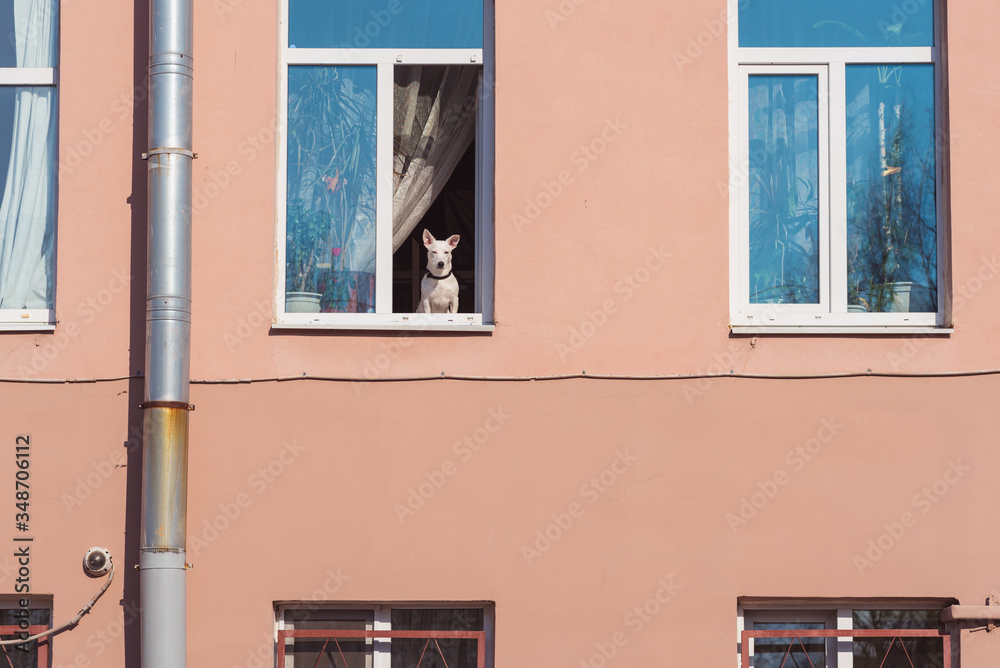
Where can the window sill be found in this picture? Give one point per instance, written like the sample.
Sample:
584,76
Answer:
397,325
835,329
27,327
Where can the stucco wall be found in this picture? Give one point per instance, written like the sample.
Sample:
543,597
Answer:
720,487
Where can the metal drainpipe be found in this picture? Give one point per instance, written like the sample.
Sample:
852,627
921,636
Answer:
168,337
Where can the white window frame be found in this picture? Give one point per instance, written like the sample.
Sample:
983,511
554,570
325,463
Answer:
384,60
33,319
382,621
830,63
834,615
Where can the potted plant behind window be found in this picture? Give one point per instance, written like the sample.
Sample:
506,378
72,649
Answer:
886,211
891,241
330,190
305,231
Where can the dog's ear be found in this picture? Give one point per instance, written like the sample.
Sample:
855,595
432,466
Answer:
428,238
453,240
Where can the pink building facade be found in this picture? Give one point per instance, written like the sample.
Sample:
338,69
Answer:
673,409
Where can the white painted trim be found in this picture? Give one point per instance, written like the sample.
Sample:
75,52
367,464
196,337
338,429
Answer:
27,76
740,627
733,191
823,55
26,327
807,315
838,187
845,646
383,187
855,329
377,56
744,308
382,654
432,322
31,318
281,145
485,175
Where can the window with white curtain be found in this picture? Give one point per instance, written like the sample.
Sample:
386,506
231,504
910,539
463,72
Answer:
28,157
835,178
387,112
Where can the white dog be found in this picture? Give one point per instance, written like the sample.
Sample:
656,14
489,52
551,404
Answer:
438,288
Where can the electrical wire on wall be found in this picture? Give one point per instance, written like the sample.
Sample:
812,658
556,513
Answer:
96,563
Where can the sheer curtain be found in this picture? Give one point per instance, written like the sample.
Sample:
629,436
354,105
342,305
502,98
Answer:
434,124
27,214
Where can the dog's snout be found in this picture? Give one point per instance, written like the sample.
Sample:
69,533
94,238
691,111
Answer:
440,265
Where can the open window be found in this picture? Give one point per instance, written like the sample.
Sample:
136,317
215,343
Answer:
387,112
385,636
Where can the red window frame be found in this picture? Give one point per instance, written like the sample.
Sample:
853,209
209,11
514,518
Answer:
43,643
894,634
331,634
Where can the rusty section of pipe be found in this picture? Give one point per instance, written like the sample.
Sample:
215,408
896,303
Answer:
164,479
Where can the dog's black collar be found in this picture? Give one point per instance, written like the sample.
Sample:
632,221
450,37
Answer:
437,278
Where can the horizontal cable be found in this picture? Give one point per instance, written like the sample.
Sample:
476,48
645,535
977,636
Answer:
566,376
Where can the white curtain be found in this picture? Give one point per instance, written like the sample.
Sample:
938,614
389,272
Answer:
27,214
434,123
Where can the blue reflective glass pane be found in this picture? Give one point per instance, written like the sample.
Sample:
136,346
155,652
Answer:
401,24
784,191
330,223
794,23
891,188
